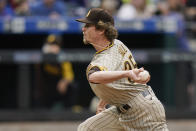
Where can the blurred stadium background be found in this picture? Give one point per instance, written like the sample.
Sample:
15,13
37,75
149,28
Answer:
160,33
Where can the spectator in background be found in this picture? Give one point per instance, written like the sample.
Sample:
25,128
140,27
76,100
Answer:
76,7
110,5
92,3
21,7
162,9
33,1
176,5
190,13
191,10
5,10
56,87
76,2
51,8
173,9
134,9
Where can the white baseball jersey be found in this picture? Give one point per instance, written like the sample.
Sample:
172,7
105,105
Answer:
146,113
116,57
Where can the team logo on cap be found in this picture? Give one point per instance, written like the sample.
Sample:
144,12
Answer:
88,13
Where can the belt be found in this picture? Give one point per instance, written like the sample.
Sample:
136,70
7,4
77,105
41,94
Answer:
124,108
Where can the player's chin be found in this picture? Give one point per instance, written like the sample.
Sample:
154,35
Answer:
85,41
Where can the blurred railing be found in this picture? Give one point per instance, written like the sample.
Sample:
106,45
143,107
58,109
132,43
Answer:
85,55
19,25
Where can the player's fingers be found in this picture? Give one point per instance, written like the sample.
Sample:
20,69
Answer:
141,69
137,71
99,110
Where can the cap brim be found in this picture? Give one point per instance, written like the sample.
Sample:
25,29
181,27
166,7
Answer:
84,20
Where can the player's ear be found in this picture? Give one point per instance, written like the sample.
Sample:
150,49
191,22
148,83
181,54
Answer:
101,32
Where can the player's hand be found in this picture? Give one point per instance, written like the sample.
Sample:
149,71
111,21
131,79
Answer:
101,106
134,75
100,109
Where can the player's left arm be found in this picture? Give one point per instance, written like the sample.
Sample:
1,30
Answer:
101,106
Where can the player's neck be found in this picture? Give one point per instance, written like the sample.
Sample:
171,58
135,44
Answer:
102,44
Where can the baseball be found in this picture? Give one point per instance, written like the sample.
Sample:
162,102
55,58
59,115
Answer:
144,75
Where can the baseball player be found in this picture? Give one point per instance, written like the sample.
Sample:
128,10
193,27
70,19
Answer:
114,77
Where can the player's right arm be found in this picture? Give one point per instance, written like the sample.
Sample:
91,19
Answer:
104,77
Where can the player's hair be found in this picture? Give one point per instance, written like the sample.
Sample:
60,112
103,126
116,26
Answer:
110,31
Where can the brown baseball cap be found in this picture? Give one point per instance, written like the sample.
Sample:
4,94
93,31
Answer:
95,15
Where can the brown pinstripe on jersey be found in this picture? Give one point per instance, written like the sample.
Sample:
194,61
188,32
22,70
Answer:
145,114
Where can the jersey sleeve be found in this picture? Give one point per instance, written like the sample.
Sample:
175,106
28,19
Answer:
93,69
